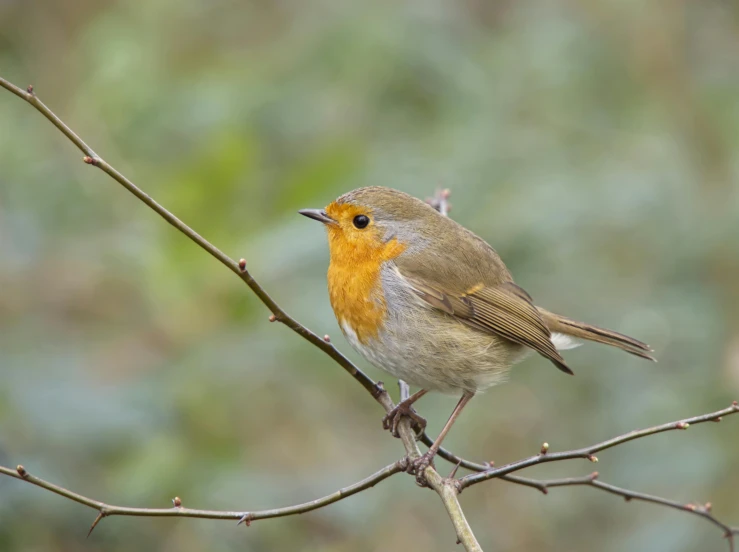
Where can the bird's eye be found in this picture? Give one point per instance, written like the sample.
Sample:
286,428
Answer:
361,221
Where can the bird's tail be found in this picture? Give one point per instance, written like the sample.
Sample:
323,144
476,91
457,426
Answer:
581,330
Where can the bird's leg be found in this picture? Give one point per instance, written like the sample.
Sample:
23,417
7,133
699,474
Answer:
404,408
421,463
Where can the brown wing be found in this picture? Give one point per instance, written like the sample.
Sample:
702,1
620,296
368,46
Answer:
503,309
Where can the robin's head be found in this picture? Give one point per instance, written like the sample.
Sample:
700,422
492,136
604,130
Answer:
370,223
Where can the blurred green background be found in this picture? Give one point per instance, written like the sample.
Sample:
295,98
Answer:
593,143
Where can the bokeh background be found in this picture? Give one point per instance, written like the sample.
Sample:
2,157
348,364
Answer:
593,143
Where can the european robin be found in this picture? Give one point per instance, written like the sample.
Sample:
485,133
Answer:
423,298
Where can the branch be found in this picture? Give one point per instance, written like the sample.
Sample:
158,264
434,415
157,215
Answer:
108,510
589,452
446,488
486,471
91,158
440,201
578,453
703,511
446,491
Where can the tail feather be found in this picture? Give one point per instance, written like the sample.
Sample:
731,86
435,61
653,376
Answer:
581,330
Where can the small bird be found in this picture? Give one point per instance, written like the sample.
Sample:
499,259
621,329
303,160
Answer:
426,300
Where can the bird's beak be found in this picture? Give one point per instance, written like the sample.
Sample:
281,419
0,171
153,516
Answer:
317,214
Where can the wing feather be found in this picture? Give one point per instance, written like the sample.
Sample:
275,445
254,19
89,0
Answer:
504,309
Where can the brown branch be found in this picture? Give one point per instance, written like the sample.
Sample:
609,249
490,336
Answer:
589,452
592,480
446,488
701,510
108,510
440,201
578,453
486,471
92,158
460,462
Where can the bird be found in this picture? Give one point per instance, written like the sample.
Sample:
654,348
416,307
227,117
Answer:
428,301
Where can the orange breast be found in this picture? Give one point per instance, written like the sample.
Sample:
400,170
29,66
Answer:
354,282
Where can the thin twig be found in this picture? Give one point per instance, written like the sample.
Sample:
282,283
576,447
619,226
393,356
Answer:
592,480
578,453
700,510
445,488
589,452
703,511
440,201
92,158
460,462
108,510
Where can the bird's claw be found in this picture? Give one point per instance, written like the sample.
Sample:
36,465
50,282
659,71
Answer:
393,418
418,466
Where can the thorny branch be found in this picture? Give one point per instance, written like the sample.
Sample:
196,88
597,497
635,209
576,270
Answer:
589,452
92,158
448,488
108,510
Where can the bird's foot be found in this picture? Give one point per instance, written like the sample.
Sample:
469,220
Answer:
392,419
418,466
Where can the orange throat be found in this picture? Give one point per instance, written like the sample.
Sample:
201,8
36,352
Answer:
354,285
